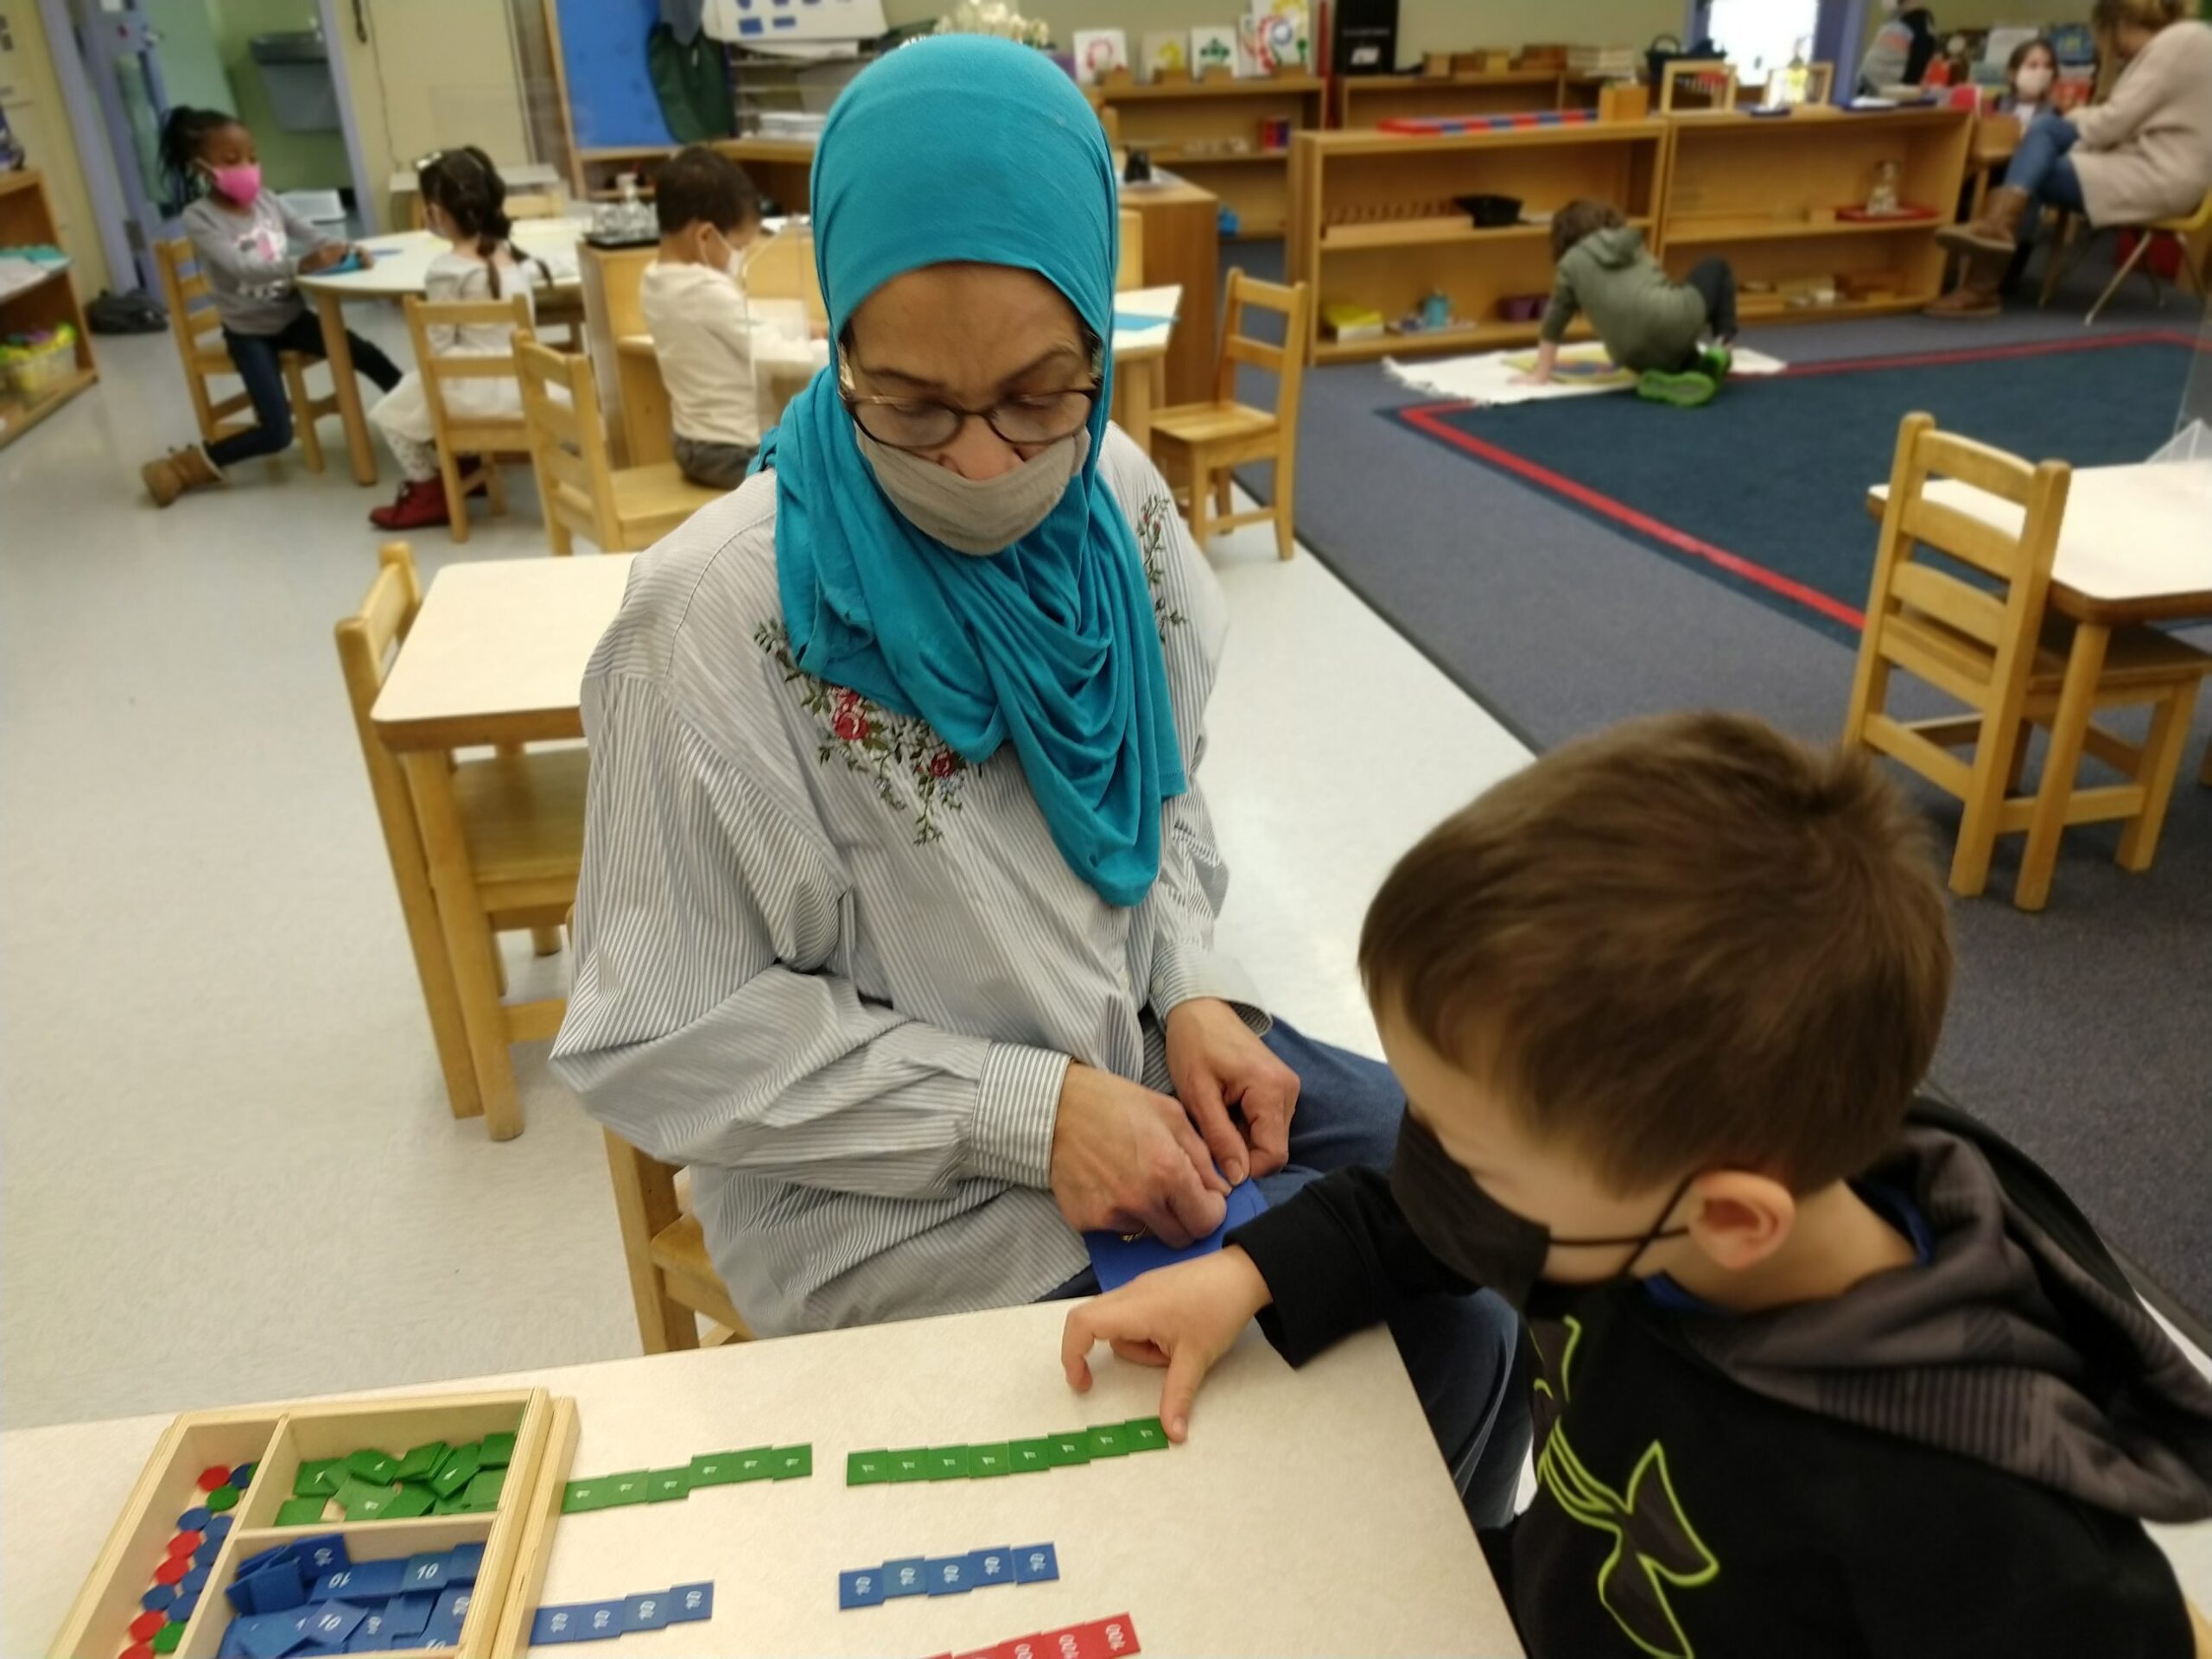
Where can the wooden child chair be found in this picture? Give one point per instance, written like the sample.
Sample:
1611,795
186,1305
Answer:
622,510
199,335
481,439
1200,443
673,1279
506,832
2002,654
2186,230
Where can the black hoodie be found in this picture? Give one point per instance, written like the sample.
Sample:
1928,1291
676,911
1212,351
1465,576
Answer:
1949,1459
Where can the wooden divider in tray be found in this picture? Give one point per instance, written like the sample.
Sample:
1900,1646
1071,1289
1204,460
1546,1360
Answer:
515,1533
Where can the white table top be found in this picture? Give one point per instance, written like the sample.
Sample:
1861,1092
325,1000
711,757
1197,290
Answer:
1308,1514
500,637
533,176
2133,536
403,259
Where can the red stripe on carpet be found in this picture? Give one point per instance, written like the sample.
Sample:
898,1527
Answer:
1988,354
1423,417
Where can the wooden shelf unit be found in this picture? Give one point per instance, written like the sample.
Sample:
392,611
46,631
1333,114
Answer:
1391,265
1176,122
1361,102
27,218
1746,187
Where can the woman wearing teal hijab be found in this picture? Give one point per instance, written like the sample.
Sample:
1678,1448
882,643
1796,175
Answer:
896,920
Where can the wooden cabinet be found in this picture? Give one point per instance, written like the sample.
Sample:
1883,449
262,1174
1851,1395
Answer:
1215,133
1364,101
44,302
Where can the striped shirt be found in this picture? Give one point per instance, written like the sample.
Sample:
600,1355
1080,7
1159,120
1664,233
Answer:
839,971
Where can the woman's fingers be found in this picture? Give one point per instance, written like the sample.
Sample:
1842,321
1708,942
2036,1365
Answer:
1202,1100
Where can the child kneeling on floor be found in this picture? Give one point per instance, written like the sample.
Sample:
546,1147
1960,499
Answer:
1654,327
464,201
1827,1369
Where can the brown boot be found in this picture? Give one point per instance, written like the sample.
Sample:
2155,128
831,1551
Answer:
1995,229
1977,295
178,471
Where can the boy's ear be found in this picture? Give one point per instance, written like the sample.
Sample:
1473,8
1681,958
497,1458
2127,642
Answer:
1741,1219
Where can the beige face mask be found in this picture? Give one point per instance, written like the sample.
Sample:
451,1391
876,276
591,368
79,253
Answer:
976,517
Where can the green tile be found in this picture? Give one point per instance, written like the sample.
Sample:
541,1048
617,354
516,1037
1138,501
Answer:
1027,1456
378,1468
457,1504
581,1494
717,1469
665,1485
366,1503
946,1463
793,1462
459,1468
483,1488
986,1461
414,1499
1109,1440
421,1461
626,1489
1065,1451
1145,1434
319,1477
756,1463
166,1639
497,1450
868,1468
912,1465
301,1511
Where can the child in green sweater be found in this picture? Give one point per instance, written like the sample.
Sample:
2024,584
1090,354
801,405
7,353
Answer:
1650,324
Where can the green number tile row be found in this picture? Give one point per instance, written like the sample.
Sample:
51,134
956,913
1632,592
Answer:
371,1484
709,1469
1006,1456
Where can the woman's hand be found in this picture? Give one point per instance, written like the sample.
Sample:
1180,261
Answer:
1126,1159
1218,1063
1184,1316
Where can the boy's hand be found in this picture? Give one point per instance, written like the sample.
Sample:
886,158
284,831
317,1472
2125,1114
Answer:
1185,1318
1218,1063
1125,1158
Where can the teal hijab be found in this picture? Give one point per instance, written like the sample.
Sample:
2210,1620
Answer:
959,147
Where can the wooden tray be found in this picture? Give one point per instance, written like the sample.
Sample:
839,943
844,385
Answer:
516,1535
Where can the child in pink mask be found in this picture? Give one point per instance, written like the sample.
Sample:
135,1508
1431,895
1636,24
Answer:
242,239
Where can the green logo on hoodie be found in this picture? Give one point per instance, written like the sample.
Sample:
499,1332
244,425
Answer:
1655,1546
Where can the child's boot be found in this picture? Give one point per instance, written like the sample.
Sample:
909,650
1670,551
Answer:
1687,389
178,471
1716,361
421,503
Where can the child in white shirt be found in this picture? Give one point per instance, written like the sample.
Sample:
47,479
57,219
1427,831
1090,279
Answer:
464,200
705,337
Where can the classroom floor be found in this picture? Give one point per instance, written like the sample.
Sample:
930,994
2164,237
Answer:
227,1168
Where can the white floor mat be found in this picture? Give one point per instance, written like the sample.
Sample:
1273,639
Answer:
1495,377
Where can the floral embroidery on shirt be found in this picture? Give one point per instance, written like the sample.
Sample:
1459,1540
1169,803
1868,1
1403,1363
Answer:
876,743
1155,529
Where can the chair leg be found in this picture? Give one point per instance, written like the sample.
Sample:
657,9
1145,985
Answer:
295,380
1286,497
457,485
1201,502
664,1324
2143,239
2160,766
2084,663
2018,771
495,484
1993,763
1222,498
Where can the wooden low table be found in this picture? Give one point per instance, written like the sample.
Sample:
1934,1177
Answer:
2136,546
1309,1514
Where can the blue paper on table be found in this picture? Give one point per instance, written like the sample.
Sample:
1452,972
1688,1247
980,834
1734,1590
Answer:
351,262
1116,1260
1141,320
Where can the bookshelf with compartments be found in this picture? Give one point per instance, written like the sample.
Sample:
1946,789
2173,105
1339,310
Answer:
1213,133
1374,223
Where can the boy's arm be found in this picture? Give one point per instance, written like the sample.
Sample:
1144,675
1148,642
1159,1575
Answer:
1558,316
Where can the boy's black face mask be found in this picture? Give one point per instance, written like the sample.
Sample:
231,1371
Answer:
1477,1237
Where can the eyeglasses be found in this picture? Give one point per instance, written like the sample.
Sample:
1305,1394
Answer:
927,424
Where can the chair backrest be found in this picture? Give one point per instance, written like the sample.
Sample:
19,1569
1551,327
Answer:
193,321
1129,272
1285,360
439,370
568,444
781,267
2006,623
367,640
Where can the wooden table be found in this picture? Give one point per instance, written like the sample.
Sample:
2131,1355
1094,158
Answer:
2136,546
402,262
1182,246
1308,1514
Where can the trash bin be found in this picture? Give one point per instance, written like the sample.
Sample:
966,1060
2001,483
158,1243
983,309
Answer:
295,68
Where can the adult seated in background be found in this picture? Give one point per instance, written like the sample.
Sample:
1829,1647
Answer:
2145,153
896,917
1899,53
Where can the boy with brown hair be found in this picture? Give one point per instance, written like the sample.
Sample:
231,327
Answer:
1826,1370
1650,324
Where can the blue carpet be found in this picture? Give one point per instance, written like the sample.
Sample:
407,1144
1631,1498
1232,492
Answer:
1775,510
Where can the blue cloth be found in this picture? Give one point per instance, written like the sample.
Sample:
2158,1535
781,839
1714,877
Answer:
963,148
2043,168
1458,1349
